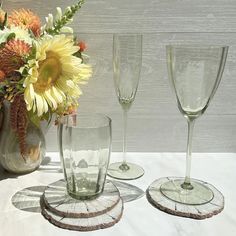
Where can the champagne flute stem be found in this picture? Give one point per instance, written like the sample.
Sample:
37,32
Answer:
187,182
124,166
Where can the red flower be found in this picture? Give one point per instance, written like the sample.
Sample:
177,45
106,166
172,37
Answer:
82,46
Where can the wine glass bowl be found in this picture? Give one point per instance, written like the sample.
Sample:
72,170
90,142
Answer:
195,73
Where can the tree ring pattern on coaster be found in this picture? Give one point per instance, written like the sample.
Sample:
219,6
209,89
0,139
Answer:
202,211
58,201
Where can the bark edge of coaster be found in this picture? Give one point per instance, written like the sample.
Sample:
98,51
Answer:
103,221
89,221
199,212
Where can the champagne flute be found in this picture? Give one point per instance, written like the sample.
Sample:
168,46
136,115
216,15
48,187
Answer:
127,62
195,73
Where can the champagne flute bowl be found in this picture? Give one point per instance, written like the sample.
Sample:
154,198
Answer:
127,62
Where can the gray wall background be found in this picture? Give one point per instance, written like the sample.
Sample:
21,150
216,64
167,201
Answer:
155,123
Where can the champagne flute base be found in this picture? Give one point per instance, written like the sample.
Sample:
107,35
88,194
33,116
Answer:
117,171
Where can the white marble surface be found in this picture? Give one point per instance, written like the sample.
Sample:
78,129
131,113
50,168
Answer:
140,218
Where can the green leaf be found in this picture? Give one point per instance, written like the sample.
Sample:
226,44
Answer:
5,20
3,37
78,54
11,36
32,53
4,23
34,118
47,116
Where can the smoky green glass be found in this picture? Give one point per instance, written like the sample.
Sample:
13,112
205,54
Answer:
127,63
85,145
195,72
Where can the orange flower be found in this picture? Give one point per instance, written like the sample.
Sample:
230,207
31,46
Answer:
72,109
82,46
12,55
25,19
2,76
2,16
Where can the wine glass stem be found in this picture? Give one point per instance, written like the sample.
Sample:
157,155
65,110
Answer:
187,181
124,166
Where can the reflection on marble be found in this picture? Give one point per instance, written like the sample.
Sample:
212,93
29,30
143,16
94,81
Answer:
50,166
139,218
128,192
28,199
6,175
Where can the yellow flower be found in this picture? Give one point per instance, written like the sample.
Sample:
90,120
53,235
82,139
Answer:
54,76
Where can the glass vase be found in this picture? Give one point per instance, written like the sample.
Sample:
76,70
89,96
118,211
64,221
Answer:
10,155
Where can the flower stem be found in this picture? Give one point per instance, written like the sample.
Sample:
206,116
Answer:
65,19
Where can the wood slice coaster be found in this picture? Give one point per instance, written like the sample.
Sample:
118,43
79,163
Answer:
83,215
202,211
103,221
58,201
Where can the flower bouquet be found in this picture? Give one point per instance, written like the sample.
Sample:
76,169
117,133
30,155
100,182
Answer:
41,70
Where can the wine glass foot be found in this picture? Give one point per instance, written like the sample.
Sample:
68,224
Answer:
128,171
201,202
198,194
